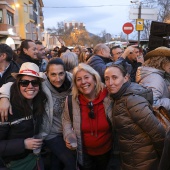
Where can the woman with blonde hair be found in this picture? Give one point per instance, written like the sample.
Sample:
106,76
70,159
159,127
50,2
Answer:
155,74
91,119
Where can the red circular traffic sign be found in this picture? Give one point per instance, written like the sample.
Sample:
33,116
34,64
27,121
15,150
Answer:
128,28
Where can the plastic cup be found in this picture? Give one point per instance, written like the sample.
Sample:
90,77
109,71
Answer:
72,140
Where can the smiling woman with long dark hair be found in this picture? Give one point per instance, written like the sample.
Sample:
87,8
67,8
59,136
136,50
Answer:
17,134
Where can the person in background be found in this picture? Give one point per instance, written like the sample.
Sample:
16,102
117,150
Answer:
56,48
140,134
54,53
116,53
100,58
92,119
155,74
41,56
131,56
90,51
84,56
77,50
48,53
28,53
70,60
62,50
7,65
17,134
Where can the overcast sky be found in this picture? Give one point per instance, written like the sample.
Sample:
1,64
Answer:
110,17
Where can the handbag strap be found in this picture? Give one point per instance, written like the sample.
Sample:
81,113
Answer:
70,108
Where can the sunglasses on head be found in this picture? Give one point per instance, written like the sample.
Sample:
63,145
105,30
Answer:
91,113
25,83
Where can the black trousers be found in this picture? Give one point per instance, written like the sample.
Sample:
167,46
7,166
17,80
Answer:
99,162
62,154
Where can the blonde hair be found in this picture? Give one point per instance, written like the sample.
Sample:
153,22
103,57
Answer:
98,86
157,62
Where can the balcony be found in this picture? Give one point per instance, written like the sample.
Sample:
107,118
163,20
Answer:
31,17
4,29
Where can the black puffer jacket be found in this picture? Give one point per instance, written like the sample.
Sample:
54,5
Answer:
140,135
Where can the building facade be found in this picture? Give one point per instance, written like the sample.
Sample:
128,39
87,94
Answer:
19,20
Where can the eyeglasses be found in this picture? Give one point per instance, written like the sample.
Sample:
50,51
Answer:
118,53
91,113
25,83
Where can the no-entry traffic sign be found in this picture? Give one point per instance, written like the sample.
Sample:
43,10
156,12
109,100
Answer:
128,28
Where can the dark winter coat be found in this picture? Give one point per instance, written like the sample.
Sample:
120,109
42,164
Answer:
135,66
12,137
26,58
99,64
7,77
140,134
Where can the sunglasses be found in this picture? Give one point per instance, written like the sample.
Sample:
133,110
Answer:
91,113
25,83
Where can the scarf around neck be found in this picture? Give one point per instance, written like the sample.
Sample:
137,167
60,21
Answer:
121,91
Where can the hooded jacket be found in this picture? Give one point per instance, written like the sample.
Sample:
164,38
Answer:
68,125
140,134
157,81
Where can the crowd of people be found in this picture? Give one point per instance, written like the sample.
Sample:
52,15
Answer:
83,109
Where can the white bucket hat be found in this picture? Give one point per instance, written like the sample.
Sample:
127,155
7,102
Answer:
29,69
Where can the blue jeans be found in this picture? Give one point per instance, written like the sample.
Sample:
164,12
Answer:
62,154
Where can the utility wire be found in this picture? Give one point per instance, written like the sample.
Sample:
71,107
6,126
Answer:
95,6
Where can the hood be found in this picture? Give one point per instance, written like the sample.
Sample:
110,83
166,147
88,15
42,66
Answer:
144,71
137,89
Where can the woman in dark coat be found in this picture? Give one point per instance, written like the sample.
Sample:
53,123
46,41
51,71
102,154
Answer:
17,135
140,134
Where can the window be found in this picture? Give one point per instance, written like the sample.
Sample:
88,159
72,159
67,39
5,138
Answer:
10,18
0,15
25,7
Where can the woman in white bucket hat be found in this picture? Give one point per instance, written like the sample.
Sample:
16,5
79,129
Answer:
17,140
57,85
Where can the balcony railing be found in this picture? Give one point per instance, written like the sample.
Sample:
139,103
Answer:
31,16
6,27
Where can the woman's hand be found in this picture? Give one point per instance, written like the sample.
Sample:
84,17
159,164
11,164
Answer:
31,143
68,145
5,106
